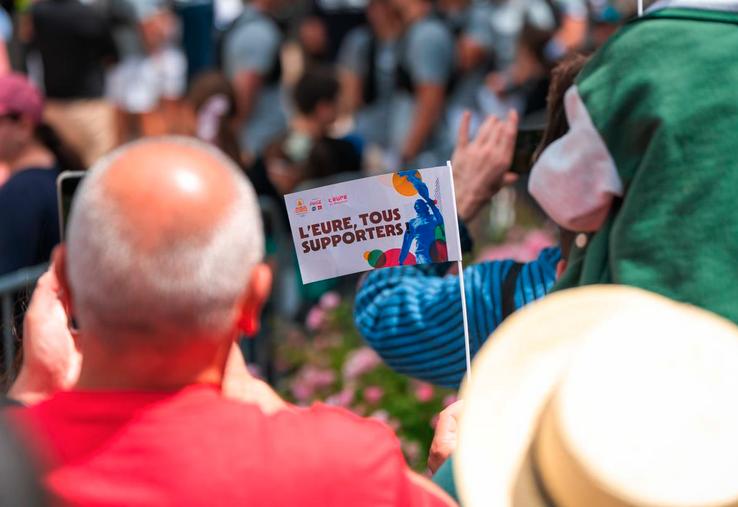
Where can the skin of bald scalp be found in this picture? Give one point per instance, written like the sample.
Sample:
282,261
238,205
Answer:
174,193
170,257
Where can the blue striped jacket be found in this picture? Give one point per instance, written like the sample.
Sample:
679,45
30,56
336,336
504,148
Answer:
412,315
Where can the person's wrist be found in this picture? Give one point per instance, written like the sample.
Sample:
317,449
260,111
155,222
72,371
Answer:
407,155
468,206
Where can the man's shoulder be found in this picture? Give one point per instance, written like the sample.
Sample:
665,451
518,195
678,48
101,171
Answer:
27,180
358,38
251,21
345,439
362,457
339,426
430,28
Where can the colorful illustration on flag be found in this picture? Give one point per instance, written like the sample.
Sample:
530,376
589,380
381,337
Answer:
376,222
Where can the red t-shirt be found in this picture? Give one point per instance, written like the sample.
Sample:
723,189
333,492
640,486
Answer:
194,447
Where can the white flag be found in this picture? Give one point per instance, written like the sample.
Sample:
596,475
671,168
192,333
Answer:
376,222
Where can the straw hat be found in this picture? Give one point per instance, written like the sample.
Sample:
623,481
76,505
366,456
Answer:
603,396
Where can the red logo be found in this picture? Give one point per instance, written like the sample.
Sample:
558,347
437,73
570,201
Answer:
337,199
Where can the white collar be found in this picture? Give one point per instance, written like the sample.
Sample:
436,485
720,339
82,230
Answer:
709,5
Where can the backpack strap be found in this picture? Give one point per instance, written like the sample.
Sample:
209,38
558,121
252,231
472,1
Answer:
508,289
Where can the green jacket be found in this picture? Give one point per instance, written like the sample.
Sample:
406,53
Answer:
649,168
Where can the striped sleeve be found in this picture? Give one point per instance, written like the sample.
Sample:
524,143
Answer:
412,316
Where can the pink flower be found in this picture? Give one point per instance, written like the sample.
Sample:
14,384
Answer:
341,399
315,318
359,362
411,448
522,249
373,394
318,377
381,415
424,392
538,239
330,300
308,380
301,390
448,400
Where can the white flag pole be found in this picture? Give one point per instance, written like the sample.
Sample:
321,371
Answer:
467,349
640,8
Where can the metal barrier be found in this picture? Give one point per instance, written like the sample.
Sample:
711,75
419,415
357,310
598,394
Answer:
10,285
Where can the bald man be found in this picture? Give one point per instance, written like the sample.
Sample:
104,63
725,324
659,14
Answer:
162,272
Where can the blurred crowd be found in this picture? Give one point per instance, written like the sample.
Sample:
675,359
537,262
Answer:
284,86
297,93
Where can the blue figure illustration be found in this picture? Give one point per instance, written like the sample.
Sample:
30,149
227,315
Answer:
421,229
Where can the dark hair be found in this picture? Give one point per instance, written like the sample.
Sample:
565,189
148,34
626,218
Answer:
329,157
535,40
563,76
316,85
204,87
66,157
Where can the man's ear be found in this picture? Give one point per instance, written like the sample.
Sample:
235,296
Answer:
59,260
260,285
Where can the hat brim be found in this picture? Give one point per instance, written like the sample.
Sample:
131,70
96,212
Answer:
513,377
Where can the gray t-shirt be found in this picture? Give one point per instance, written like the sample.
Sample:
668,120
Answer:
253,45
510,15
427,55
429,52
477,26
6,26
372,120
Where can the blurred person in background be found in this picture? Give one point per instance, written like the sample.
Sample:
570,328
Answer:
212,106
471,24
197,19
307,151
424,73
251,61
34,154
75,44
150,80
163,409
6,33
315,98
532,35
367,65
323,30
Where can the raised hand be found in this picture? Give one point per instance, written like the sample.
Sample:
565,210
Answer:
51,359
445,438
481,167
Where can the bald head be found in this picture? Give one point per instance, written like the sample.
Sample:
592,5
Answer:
162,237
168,192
